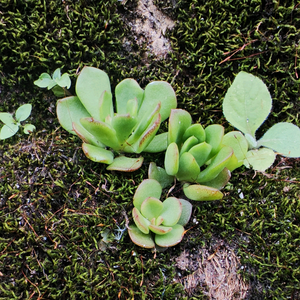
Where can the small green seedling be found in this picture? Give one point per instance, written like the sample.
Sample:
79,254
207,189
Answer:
157,223
194,155
129,128
246,106
12,124
58,83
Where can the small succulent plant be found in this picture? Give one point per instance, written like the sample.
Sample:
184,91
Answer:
131,128
195,155
156,222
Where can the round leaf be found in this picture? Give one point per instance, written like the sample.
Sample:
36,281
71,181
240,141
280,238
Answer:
260,159
171,238
172,159
8,130
97,154
201,192
139,238
126,164
171,212
23,112
151,208
28,128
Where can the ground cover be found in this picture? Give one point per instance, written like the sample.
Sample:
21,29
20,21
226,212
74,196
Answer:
63,218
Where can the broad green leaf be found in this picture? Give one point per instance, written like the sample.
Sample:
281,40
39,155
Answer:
23,112
70,110
97,154
186,212
7,118
171,238
148,188
140,221
8,130
172,159
64,81
105,106
155,92
214,136
218,163
90,85
151,208
199,192
126,90
160,230
220,181
247,103
28,128
125,164
158,144
44,81
188,168
171,211
197,131
139,238
160,175
188,144
102,132
56,74
123,125
260,159
284,138
179,121
201,153
86,136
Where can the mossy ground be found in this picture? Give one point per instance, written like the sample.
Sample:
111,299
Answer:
63,217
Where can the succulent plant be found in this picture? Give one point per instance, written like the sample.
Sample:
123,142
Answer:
156,222
131,129
195,155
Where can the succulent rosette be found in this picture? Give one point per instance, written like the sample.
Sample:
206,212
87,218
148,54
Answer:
157,222
131,128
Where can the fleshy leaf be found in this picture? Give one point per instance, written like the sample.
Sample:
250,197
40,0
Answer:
188,168
160,230
214,135
171,238
179,121
140,221
126,164
218,163
105,106
139,238
97,154
260,159
70,110
171,211
148,188
160,175
201,153
23,112
197,131
123,125
172,159
247,103
158,144
151,208
220,181
90,85
86,136
199,192
126,90
8,130
283,138
155,92
188,144
186,212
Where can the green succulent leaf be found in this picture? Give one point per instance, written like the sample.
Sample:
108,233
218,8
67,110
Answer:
105,107
28,128
186,212
126,90
260,159
172,159
86,136
126,164
179,121
158,144
160,230
132,107
199,192
151,208
8,131
123,125
160,175
197,131
214,136
188,168
97,154
218,163
284,138
139,238
171,238
247,103
23,112
140,221
148,188
188,144
171,211
7,118
201,153
90,85
70,110
220,181
158,92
